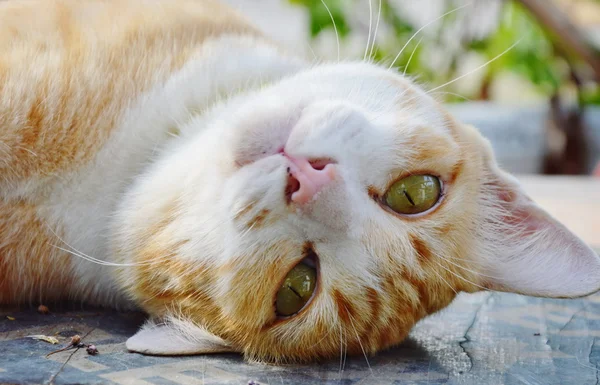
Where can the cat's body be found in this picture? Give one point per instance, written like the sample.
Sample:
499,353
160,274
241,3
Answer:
197,163
73,136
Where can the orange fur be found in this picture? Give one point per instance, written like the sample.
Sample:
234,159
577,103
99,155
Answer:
60,98
44,273
65,79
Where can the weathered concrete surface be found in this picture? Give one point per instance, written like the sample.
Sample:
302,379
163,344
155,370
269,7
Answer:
486,338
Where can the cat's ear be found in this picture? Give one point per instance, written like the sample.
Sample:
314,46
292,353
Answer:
529,252
175,337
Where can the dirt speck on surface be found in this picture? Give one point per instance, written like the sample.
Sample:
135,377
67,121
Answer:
43,309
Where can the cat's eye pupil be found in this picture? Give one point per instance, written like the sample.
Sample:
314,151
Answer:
410,200
414,194
296,290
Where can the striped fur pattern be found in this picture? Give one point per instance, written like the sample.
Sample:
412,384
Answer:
140,168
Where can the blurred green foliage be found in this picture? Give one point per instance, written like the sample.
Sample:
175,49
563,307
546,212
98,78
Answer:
320,17
534,58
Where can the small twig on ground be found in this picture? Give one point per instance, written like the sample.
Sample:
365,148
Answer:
53,377
76,344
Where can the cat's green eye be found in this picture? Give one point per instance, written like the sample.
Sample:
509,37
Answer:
296,290
414,194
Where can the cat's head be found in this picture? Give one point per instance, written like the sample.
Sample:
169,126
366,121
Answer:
329,211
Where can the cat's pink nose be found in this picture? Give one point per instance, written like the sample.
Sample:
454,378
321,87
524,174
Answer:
307,179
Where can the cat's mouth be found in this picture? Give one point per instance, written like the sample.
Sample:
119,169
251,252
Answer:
299,287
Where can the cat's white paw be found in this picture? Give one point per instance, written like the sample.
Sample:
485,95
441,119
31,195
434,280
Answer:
175,337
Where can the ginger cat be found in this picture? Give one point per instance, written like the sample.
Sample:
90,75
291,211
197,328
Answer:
163,155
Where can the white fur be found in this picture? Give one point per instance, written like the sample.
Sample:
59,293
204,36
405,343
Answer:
175,337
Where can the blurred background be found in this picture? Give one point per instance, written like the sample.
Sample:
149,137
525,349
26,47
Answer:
526,72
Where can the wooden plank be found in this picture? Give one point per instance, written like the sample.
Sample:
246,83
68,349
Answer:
575,201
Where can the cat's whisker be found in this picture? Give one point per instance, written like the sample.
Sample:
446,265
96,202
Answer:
411,56
88,258
345,349
315,57
337,35
478,68
449,260
399,96
93,260
413,98
451,93
358,339
74,252
422,28
370,30
460,276
241,210
376,30
247,231
100,261
26,149
341,352
446,282
321,340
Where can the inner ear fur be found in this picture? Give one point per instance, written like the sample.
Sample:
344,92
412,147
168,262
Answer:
527,251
